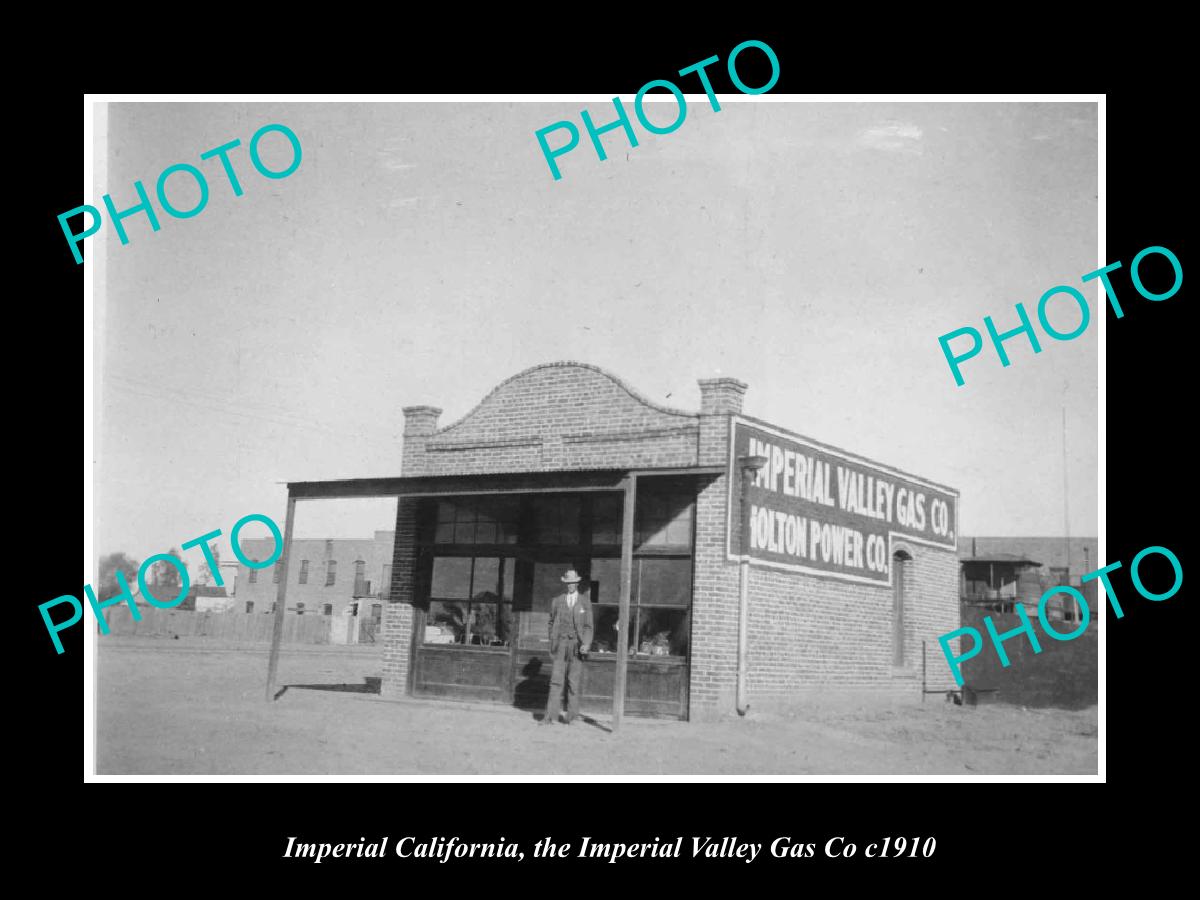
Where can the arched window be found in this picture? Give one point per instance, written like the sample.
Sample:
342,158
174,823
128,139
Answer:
304,571
900,562
331,572
254,576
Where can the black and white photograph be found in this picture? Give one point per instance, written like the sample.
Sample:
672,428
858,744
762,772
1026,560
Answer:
687,435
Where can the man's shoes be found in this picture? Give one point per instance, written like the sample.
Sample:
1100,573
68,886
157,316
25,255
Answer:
546,720
568,720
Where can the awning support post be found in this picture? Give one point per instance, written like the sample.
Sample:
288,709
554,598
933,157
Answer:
280,597
630,502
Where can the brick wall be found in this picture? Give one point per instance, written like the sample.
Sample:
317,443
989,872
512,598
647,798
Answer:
553,417
811,633
714,609
398,611
807,633
715,583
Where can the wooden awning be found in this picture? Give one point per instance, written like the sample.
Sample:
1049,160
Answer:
495,483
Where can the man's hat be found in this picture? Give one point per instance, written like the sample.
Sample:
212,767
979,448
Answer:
572,577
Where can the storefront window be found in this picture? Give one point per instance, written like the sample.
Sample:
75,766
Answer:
470,601
604,637
471,589
556,519
606,519
605,595
664,582
664,517
446,622
605,581
659,606
490,520
663,632
451,577
496,521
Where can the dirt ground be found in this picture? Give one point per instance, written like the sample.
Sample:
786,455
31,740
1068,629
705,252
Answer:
192,707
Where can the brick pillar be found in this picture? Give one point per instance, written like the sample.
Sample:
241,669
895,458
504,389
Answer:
419,423
715,597
719,399
398,610
721,396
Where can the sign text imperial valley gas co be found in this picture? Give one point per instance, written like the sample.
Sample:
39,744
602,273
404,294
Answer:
817,510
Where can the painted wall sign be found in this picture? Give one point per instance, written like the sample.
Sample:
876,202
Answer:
815,509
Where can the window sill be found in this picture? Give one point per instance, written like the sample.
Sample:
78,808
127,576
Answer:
467,648
663,659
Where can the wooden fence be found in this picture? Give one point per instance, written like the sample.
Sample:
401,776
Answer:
231,626
1064,674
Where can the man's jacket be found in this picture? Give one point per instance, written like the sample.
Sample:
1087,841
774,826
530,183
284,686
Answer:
567,622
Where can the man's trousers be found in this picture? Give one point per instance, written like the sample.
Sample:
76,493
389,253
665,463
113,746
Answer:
568,669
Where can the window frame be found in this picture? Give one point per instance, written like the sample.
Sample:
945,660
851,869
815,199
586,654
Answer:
526,547
636,604
471,603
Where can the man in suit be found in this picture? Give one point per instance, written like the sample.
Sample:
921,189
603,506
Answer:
570,638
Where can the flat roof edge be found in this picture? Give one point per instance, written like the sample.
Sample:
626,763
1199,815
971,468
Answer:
418,485
752,420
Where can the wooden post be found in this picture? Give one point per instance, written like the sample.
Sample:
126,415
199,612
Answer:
923,685
280,598
630,485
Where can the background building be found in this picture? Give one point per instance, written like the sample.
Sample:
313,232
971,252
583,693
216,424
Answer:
326,576
996,571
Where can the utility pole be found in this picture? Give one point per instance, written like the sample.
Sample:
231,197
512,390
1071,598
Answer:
1066,511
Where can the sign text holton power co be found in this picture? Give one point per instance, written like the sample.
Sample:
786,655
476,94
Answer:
815,509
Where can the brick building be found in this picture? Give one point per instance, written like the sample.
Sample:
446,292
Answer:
849,565
325,577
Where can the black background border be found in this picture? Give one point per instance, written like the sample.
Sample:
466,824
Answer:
1146,434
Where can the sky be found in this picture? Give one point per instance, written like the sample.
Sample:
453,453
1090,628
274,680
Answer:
423,252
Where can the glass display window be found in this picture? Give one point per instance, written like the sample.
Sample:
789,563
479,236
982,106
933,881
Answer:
470,601
556,518
606,519
484,594
664,516
659,606
477,520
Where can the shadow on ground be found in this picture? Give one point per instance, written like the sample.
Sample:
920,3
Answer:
369,686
